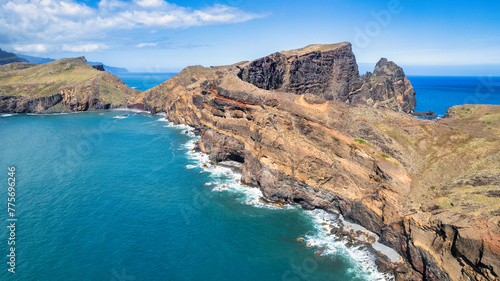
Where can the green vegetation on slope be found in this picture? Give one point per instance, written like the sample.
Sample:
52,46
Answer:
80,85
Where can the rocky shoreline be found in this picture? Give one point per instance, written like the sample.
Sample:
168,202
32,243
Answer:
400,270
387,262
353,149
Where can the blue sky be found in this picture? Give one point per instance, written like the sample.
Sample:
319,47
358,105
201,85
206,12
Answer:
425,37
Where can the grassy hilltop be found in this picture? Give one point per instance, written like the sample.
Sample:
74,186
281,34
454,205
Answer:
62,85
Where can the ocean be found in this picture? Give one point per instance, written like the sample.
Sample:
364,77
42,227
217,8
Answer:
98,197
438,93
144,80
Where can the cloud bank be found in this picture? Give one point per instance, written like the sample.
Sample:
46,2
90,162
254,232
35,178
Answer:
50,25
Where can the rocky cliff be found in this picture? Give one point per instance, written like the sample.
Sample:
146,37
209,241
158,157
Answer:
330,72
62,85
309,130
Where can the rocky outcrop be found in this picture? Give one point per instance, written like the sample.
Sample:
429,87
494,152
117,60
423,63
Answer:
63,85
387,87
10,104
429,114
331,73
426,188
99,67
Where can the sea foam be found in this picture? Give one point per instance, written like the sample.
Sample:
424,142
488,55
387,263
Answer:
364,261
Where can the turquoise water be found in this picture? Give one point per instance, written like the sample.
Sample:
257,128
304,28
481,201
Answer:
439,93
103,198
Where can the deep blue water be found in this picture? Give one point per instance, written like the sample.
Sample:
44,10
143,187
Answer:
439,93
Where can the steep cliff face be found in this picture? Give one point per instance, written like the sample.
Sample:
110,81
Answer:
429,190
63,85
387,87
331,72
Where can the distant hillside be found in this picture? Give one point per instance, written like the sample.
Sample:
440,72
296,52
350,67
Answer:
60,86
6,57
35,59
112,69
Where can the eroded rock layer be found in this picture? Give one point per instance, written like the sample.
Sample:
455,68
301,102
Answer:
428,189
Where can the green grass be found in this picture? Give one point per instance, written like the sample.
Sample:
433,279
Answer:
360,141
444,202
385,155
465,112
110,94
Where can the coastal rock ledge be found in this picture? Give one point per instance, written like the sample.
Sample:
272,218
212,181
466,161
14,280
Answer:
309,130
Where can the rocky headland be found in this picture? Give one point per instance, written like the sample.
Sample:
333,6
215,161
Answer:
60,86
308,129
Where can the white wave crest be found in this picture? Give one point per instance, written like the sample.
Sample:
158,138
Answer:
331,244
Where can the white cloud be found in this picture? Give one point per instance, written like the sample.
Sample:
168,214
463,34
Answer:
84,48
149,3
29,24
141,45
32,48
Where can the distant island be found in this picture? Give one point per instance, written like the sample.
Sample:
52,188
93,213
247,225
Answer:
309,130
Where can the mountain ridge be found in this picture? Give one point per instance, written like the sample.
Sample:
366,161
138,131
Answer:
32,59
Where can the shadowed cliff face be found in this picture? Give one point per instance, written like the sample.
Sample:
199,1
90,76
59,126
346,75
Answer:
331,72
62,85
427,189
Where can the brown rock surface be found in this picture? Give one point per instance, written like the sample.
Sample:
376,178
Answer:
429,190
